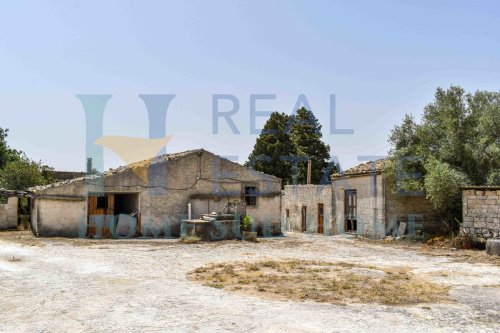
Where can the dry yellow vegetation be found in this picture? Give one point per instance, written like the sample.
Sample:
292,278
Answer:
338,283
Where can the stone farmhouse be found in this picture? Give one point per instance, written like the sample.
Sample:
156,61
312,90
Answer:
153,197
358,201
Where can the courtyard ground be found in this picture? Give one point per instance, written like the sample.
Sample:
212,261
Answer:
78,285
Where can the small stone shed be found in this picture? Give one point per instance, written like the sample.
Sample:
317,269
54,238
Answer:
358,201
9,207
153,195
481,211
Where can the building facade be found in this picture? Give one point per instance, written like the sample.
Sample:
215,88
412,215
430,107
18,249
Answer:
152,197
358,201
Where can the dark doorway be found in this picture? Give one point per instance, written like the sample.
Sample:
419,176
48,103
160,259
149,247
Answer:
111,205
351,210
304,218
320,218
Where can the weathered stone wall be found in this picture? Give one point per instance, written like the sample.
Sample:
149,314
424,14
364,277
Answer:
164,198
481,212
297,196
8,214
417,211
58,217
370,204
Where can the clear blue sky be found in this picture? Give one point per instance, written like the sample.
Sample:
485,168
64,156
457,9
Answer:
382,59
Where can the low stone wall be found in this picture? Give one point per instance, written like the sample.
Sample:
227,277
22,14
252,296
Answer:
481,212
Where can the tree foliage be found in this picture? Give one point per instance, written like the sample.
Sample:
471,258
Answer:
455,144
7,154
17,171
287,143
273,143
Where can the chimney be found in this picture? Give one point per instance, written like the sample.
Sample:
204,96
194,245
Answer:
89,165
309,170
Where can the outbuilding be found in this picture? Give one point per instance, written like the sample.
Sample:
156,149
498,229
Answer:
358,201
10,208
152,197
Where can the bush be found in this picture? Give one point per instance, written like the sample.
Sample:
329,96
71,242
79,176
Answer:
442,184
247,223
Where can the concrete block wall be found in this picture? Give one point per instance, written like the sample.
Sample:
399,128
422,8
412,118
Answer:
481,212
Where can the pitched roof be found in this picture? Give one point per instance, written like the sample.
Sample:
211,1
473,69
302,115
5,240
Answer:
120,169
362,169
145,163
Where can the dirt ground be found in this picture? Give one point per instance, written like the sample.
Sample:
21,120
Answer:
63,285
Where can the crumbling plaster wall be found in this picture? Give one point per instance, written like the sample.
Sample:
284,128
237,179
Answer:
297,196
164,191
370,204
8,214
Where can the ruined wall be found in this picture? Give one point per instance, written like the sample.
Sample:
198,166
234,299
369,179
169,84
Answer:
297,196
8,214
370,204
481,212
417,211
164,189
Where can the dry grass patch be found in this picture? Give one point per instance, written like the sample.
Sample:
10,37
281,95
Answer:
190,240
338,283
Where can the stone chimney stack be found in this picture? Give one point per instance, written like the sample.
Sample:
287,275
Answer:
309,170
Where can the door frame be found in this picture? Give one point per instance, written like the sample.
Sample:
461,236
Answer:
321,218
304,218
92,210
351,211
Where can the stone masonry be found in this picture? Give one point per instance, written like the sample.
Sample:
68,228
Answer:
481,212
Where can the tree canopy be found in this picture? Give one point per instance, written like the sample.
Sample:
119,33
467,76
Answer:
17,171
287,143
455,144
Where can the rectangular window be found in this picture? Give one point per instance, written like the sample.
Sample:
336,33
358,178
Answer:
102,202
251,195
4,199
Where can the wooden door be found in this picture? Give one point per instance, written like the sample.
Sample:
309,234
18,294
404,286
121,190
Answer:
107,229
100,205
320,218
92,210
304,218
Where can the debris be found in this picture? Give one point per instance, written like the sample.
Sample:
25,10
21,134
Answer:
493,247
401,228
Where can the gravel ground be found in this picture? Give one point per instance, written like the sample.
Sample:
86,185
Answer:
54,285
